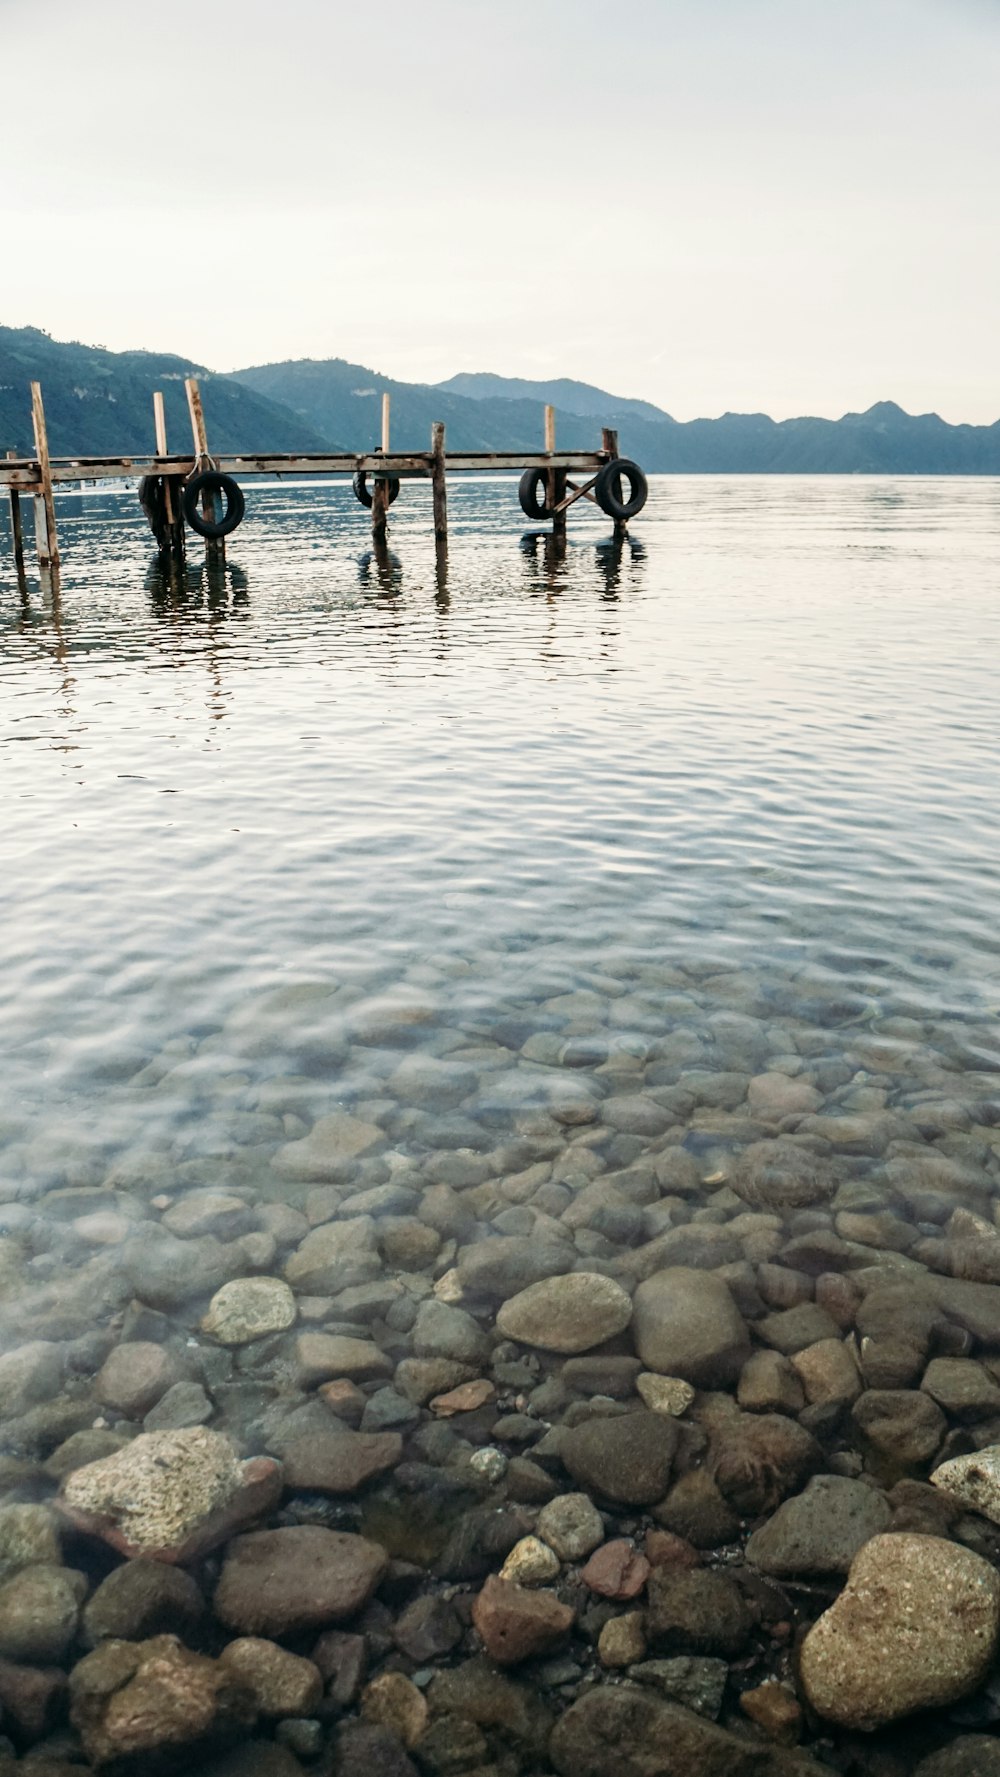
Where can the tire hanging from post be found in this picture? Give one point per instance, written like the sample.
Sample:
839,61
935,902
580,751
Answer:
212,482
608,488
363,492
533,493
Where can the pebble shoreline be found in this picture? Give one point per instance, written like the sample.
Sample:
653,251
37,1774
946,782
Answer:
562,1406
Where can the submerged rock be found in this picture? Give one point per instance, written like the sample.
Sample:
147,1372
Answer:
915,1627
570,1313
627,1458
249,1308
170,1494
821,1530
686,1324
151,1705
516,1624
975,1480
276,1582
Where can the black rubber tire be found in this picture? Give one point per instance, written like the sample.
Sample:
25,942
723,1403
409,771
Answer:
608,488
362,491
533,493
154,505
215,483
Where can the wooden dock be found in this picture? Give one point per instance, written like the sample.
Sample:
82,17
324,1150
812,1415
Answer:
547,477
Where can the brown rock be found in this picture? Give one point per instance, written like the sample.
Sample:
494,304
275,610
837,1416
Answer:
133,1701
339,1461
279,1682
516,1624
696,1612
393,1701
325,1355
664,1549
774,1708
622,1641
463,1399
276,1582
915,1627
134,1378
627,1458
616,1570
343,1398
828,1373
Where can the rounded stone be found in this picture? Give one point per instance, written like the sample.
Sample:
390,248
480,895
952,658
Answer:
39,1612
779,1175
249,1308
686,1324
135,1376
571,1525
915,1627
517,1624
975,1480
664,1394
276,1582
393,1701
142,1598
627,1458
531,1562
569,1314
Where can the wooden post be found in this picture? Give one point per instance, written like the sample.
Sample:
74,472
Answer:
557,477
171,495
45,511
215,547
609,443
385,425
438,483
15,525
380,487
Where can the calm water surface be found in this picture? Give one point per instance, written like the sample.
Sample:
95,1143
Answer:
261,830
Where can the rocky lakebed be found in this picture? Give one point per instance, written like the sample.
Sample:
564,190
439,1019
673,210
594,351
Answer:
563,1405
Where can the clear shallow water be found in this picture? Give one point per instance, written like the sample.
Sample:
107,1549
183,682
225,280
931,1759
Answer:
746,766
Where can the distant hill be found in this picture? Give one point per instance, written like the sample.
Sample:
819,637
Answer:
343,400
562,392
100,403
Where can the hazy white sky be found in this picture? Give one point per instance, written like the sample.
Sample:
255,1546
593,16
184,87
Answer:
787,205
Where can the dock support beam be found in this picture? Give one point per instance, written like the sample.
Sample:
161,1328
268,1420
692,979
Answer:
46,540
438,483
215,547
17,531
556,479
380,486
609,441
174,542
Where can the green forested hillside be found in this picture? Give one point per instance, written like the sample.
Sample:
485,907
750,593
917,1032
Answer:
101,403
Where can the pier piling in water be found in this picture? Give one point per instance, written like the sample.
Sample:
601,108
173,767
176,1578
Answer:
46,540
546,473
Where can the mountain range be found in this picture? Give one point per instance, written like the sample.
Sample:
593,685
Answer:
100,403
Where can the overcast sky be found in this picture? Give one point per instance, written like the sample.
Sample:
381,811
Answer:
779,205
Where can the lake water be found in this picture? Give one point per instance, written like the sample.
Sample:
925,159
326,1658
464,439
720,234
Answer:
747,764
415,903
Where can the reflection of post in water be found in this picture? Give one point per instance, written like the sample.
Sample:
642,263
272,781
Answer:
177,590
551,547
388,567
442,598
610,557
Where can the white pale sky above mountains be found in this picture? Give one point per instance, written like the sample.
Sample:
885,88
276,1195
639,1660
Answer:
778,205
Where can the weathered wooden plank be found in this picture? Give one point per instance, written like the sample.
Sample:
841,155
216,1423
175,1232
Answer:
24,471
45,513
609,440
385,425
